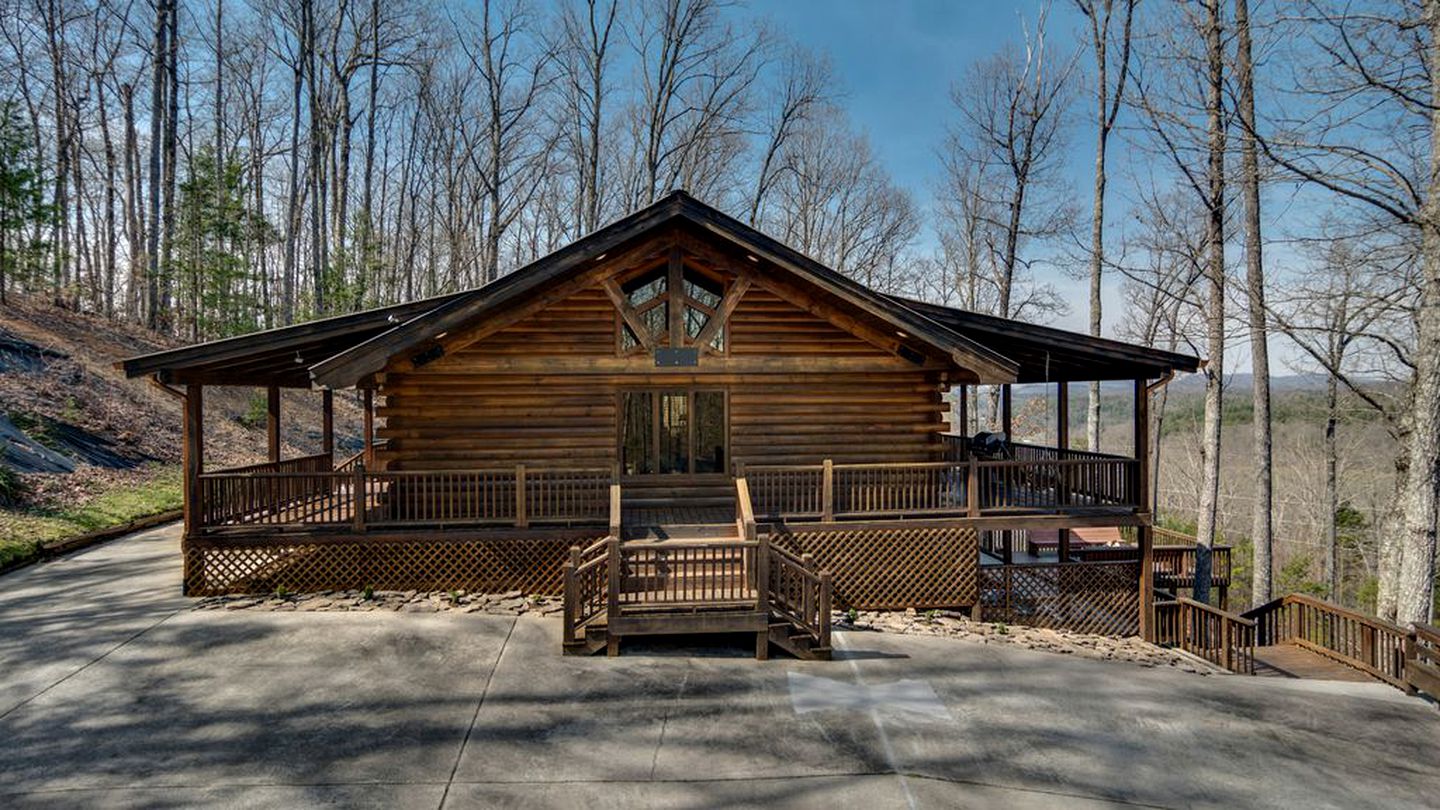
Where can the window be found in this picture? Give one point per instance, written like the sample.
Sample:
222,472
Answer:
648,300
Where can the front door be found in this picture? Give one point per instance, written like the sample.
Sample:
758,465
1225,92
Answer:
673,431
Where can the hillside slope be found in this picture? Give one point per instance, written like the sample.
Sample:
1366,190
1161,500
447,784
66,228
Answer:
81,447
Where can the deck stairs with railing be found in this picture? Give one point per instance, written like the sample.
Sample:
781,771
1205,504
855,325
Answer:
676,578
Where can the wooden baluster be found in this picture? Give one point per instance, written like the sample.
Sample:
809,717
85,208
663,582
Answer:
521,519
827,491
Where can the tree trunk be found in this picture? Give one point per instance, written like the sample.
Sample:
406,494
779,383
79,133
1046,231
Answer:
157,129
1420,496
1261,532
1215,310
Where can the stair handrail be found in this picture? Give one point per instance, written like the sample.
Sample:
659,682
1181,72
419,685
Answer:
744,511
799,592
1367,643
584,567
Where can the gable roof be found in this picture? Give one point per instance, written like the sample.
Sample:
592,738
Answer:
342,351
349,367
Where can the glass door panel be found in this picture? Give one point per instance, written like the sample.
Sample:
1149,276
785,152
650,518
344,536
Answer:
637,432
709,450
674,432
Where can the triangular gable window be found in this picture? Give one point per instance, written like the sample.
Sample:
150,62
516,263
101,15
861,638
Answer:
646,301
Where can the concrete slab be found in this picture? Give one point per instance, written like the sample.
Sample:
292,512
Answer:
116,695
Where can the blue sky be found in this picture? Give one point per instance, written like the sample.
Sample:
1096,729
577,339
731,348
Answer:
897,62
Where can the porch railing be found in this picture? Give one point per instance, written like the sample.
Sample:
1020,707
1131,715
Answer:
358,497
1174,565
1218,636
973,487
611,578
1352,638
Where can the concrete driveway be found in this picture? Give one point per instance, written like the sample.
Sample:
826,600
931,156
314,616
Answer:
115,693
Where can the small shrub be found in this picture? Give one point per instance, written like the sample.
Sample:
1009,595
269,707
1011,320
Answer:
281,592
1002,629
537,599
852,615
931,616
453,596
12,486
257,411
367,593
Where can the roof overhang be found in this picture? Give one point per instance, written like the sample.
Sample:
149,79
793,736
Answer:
348,350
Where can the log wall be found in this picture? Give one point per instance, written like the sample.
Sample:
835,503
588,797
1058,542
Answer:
544,392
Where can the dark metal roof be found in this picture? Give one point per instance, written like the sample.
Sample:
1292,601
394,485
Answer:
281,356
1047,354
343,350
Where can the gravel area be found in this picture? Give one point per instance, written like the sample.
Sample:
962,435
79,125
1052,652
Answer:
957,625
513,603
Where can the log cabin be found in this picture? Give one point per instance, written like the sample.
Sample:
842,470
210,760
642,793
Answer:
680,425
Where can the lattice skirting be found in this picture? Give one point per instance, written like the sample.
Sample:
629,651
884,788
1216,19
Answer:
496,565
1101,598
893,568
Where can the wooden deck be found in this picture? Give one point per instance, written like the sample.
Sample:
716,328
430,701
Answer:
1292,661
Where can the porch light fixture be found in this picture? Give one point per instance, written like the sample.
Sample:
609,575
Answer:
299,361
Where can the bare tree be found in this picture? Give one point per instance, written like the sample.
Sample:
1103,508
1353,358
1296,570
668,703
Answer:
1110,84
1012,110
1261,531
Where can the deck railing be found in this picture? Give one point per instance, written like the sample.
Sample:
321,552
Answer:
611,578
1422,661
972,487
689,572
800,593
1174,565
1218,636
1352,638
262,496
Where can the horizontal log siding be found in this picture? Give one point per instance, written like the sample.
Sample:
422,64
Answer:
460,412
874,416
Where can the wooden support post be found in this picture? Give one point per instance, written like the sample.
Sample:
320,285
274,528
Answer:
827,491
327,424
762,573
972,488
825,608
963,429
193,452
1007,421
522,520
675,288
1063,478
1142,447
1144,533
358,492
369,427
272,421
1411,655
571,600
612,596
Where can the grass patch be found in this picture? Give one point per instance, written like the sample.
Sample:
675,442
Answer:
24,531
